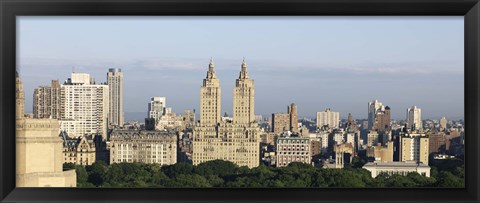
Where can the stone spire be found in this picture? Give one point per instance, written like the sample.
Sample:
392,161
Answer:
211,72
20,98
243,72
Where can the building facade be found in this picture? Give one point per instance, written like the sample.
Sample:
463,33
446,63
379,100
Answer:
236,140
143,146
373,107
46,101
85,106
328,118
115,97
292,149
414,147
414,118
280,122
401,168
79,151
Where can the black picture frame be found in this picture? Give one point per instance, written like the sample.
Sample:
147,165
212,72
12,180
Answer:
9,9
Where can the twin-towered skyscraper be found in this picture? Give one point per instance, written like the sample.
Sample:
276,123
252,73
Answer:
236,141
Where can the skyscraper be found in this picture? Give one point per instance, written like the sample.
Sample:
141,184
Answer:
84,106
115,95
373,107
46,101
328,117
210,99
293,113
414,118
237,141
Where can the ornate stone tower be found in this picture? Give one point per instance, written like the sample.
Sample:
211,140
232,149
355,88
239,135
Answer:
243,98
39,157
210,98
20,98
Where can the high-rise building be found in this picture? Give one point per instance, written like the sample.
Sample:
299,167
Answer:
443,124
280,122
373,107
115,95
46,101
39,159
156,107
414,118
84,106
237,141
382,120
414,147
328,117
293,113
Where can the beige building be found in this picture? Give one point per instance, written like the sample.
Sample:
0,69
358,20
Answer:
237,141
46,101
292,149
401,168
84,109
39,160
80,151
280,122
328,118
372,138
381,153
143,146
443,123
414,147
115,97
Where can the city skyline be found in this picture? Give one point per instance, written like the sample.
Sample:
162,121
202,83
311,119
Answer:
321,82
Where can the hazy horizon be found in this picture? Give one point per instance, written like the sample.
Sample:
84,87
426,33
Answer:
340,63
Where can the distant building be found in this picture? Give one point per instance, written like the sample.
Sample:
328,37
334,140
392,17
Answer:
143,146
437,143
414,147
115,97
401,168
381,153
80,151
443,124
372,138
292,149
156,107
46,101
280,122
414,118
374,107
328,118
293,114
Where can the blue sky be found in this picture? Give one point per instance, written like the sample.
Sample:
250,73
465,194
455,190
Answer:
316,62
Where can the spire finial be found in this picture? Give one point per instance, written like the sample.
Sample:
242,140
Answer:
211,60
244,60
